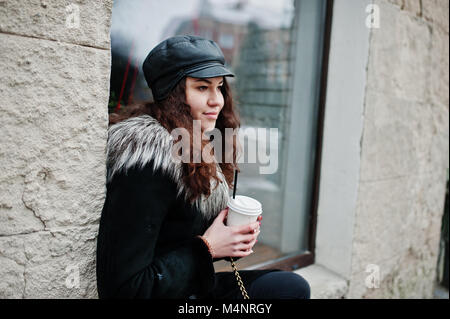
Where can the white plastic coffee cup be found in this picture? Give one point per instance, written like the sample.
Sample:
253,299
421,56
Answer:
243,210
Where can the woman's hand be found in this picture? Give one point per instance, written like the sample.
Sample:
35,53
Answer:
231,241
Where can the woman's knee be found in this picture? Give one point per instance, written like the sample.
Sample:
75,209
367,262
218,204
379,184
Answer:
282,285
300,287
306,287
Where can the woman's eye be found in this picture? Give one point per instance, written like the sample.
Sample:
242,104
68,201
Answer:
202,88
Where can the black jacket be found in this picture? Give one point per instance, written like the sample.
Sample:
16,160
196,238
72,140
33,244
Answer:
147,245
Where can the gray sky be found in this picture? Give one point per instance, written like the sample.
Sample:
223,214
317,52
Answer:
144,20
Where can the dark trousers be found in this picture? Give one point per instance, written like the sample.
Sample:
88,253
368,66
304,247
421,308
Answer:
278,285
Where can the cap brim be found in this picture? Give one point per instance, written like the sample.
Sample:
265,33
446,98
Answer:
210,72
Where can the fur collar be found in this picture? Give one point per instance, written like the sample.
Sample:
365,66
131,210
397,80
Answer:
138,140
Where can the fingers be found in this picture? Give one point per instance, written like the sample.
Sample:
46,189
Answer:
247,237
249,228
222,215
246,246
241,253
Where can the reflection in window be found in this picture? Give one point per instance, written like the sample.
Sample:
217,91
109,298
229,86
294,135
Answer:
256,38
226,41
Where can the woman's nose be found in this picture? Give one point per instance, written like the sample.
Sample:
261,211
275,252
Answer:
215,99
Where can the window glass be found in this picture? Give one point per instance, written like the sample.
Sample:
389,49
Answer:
258,41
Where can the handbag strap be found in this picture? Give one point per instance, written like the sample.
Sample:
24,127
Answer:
233,265
239,280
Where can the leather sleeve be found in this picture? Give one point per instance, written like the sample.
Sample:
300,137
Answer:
135,208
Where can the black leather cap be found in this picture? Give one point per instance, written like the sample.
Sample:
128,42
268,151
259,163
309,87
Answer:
180,56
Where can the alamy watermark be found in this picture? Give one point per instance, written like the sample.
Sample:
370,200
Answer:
73,277
373,279
73,16
373,19
262,146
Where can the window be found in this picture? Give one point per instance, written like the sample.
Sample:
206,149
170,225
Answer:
226,41
275,48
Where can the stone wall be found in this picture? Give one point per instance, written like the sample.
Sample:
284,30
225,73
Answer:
404,156
54,84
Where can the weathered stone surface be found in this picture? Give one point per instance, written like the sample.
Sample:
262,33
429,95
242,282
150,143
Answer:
81,22
436,11
382,208
324,283
411,6
404,157
55,88
437,76
397,228
402,276
54,132
402,137
12,262
15,216
57,264
400,55
399,3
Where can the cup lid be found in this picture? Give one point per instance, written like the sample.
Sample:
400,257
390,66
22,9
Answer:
245,205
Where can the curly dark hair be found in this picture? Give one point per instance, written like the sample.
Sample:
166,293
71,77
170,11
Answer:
173,112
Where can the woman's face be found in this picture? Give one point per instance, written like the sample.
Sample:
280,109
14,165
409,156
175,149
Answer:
205,98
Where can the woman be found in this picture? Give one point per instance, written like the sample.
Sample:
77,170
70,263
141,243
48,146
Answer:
163,221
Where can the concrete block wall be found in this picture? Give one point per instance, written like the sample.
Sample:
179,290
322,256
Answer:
404,151
54,84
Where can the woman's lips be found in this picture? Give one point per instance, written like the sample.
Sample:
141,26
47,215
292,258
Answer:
211,115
